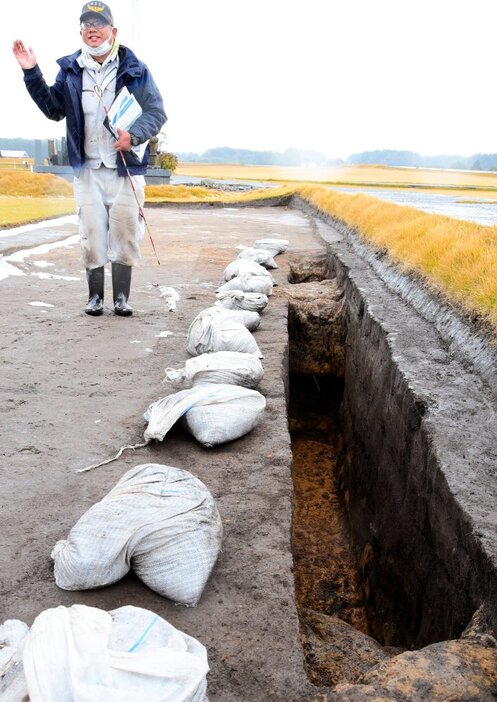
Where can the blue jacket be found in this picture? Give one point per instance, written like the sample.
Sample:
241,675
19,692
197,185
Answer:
63,99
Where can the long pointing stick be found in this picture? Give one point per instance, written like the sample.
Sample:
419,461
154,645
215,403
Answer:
140,208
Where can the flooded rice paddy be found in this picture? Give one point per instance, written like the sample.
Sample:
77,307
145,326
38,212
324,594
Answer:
477,210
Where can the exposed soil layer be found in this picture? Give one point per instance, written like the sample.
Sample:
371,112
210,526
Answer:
329,594
450,671
424,566
327,584
324,574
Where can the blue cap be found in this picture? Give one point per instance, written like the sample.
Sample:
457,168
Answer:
97,9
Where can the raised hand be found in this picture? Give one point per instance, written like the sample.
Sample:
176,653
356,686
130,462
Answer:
26,58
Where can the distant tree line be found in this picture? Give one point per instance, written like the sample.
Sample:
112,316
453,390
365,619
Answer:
290,157
299,157
302,157
385,157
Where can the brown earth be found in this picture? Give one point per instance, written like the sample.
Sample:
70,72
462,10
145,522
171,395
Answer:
73,391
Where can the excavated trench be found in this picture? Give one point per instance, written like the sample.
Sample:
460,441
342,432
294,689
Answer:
375,531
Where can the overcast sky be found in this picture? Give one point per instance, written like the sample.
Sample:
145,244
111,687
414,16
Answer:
338,76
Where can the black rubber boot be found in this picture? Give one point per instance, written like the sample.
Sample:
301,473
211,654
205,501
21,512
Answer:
121,283
95,278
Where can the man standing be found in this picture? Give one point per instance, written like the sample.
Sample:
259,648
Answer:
85,87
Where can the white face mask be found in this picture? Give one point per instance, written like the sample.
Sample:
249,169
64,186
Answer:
104,47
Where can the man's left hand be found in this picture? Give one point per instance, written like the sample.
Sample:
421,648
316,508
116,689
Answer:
124,141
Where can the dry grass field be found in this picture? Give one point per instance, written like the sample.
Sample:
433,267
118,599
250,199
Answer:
33,184
371,176
18,210
455,258
30,197
183,193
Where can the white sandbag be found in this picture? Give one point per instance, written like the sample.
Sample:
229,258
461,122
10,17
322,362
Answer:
276,246
214,424
249,283
261,256
248,318
228,367
243,266
238,300
13,687
160,521
170,295
213,330
233,411
84,654
12,636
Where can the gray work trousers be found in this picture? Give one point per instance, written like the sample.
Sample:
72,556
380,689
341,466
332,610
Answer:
110,223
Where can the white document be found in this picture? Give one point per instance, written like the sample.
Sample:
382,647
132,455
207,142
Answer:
123,112
139,150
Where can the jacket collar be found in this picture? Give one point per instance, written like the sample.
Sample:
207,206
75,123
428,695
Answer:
127,61
70,63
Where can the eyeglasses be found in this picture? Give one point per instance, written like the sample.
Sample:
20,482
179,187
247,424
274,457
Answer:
96,24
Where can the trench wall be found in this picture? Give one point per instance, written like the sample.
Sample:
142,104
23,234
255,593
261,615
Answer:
418,471
423,572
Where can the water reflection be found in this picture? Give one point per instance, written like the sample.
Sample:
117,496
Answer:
480,210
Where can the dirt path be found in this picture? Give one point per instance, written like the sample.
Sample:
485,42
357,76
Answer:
73,390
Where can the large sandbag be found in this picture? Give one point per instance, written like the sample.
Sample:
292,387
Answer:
261,256
158,520
84,654
229,367
238,300
230,411
12,635
213,330
275,246
217,423
249,283
249,318
243,266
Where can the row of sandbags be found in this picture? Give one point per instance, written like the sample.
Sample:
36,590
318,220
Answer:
220,413
158,520
217,402
174,551
222,404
